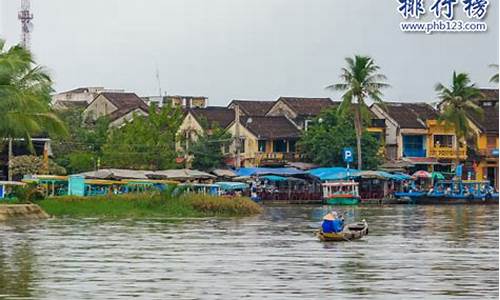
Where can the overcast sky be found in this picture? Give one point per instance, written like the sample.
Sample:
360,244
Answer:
245,49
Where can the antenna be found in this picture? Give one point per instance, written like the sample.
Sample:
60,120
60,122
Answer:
159,86
25,16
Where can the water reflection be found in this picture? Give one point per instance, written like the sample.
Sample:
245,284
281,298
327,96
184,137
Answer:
411,252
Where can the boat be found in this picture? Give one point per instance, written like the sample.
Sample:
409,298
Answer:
351,232
454,192
341,193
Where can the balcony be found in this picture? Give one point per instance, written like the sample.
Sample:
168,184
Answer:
275,157
488,152
447,152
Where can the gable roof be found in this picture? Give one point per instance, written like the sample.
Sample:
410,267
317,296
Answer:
278,127
124,100
410,115
309,107
222,116
253,107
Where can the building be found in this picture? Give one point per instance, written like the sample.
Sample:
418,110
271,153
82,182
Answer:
485,141
300,111
117,107
266,140
186,102
79,97
252,107
197,120
413,133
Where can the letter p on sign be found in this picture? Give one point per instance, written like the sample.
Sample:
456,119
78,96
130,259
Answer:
348,155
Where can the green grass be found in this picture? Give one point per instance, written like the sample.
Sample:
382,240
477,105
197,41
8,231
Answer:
149,205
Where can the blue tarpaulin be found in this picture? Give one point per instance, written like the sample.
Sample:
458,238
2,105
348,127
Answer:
269,171
334,173
274,178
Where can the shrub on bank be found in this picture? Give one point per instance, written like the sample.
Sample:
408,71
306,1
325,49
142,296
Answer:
149,205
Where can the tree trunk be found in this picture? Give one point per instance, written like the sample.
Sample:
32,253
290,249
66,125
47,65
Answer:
9,162
358,129
457,152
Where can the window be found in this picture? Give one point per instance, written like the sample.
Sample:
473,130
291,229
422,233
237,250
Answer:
291,146
279,146
242,145
443,141
262,146
413,146
491,141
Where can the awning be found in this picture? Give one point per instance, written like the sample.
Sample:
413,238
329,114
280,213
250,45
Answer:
334,173
422,160
231,186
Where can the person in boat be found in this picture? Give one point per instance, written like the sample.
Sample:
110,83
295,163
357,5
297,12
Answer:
332,223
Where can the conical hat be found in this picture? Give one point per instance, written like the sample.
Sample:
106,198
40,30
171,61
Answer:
328,217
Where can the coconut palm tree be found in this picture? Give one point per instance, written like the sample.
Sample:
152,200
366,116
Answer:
360,80
24,97
457,101
494,78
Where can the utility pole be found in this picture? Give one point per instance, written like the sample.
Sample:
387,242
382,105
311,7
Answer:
237,134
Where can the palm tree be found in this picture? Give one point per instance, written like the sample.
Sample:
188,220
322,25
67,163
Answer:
360,81
494,78
24,98
457,101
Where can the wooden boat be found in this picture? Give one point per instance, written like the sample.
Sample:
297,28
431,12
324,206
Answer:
351,232
341,193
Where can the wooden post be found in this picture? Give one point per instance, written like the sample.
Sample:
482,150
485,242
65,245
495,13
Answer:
46,157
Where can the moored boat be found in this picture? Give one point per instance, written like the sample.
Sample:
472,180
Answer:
341,193
351,232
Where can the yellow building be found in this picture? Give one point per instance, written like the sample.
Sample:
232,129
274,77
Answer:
441,142
266,140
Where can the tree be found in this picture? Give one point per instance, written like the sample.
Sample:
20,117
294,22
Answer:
25,93
457,101
360,80
80,150
147,142
494,78
207,150
27,164
332,131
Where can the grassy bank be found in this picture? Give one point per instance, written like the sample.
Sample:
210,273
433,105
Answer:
150,205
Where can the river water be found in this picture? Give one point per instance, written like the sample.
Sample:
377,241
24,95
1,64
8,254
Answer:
411,252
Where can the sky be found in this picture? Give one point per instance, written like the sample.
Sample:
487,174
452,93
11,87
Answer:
244,49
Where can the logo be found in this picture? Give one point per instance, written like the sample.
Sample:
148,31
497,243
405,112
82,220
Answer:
444,15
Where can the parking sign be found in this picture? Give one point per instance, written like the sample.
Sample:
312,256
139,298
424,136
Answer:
348,155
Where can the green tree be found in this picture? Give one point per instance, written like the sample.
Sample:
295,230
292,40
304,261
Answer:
81,149
494,78
25,92
207,150
360,80
147,142
323,142
457,101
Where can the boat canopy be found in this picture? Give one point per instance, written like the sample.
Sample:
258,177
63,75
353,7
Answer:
383,175
334,173
232,186
269,171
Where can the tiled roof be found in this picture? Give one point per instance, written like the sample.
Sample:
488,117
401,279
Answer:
222,116
488,122
125,100
254,107
117,114
72,104
271,127
489,94
410,115
310,107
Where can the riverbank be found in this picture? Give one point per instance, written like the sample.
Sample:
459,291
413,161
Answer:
149,205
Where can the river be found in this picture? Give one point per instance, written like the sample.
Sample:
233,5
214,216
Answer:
411,252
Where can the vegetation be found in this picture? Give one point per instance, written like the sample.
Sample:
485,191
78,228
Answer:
25,92
81,149
27,164
457,101
360,80
494,78
147,142
207,150
323,142
149,205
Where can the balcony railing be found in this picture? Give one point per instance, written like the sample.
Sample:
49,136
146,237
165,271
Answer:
447,152
278,156
411,152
